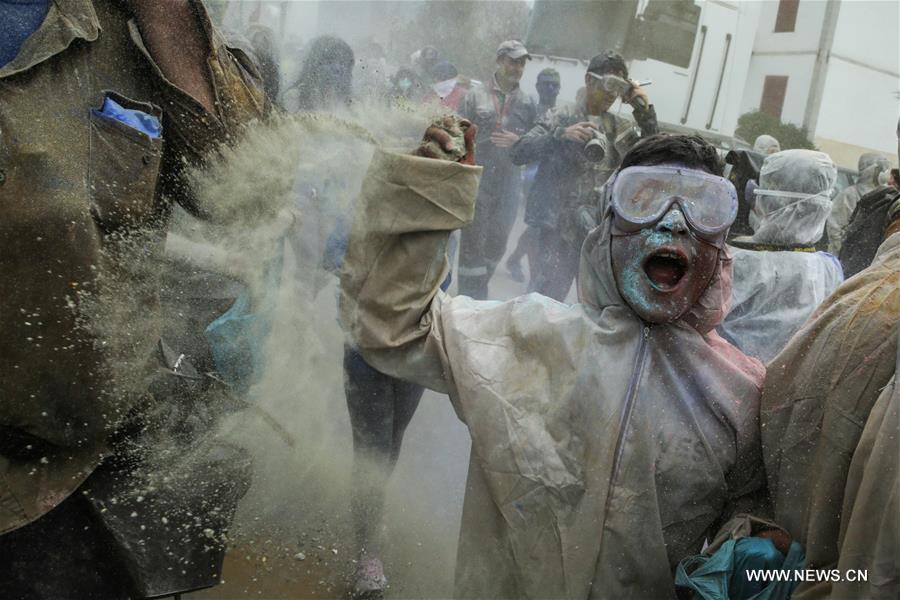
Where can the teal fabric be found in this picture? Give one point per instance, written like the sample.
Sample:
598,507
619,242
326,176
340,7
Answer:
722,576
752,553
237,339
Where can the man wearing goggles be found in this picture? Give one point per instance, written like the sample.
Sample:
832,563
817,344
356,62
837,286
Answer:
669,224
577,148
610,437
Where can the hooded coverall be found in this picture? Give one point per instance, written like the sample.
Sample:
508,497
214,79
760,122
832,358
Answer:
604,449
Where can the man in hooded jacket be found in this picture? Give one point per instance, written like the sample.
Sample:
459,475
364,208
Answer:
779,277
609,438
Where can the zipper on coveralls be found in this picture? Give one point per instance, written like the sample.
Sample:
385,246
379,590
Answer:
630,396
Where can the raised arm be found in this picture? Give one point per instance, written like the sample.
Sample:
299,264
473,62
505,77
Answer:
396,260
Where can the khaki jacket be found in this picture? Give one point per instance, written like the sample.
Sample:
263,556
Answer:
819,396
82,198
604,449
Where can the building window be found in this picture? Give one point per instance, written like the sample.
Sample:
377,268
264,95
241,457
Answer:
787,15
774,89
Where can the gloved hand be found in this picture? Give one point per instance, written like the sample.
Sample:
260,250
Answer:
637,97
449,138
579,132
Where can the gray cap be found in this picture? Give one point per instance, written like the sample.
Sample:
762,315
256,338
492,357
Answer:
513,49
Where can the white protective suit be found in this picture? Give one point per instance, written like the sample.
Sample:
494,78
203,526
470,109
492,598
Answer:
870,166
779,278
604,449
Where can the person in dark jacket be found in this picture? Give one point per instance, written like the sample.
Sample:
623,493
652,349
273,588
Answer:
562,202
88,392
503,113
547,87
265,47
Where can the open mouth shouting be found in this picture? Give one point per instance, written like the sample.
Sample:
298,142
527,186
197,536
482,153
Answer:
665,268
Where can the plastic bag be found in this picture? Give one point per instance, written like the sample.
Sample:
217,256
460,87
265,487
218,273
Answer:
723,576
237,339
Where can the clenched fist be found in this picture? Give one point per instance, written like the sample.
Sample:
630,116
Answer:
449,138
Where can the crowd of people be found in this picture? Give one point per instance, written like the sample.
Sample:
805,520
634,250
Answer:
712,402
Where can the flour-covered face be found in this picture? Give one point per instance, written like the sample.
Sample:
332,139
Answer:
662,270
668,224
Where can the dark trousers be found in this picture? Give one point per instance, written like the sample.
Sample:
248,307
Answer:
483,242
555,266
380,409
528,246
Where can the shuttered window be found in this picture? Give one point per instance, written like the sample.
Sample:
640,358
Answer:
774,90
787,15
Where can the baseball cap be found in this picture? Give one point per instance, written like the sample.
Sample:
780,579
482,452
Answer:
513,49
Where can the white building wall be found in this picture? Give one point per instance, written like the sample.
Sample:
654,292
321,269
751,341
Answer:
791,54
799,70
868,31
859,107
807,29
860,104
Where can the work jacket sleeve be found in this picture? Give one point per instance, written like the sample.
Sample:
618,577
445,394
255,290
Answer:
646,120
535,145
396,259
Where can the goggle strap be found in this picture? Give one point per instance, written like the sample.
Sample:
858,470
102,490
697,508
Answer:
782,194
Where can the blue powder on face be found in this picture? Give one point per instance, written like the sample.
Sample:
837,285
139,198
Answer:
657,238
631,278
631,288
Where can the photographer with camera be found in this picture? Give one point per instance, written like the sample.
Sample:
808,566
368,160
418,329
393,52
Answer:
578,147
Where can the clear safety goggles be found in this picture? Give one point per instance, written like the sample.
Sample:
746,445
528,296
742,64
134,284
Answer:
612,84
640,196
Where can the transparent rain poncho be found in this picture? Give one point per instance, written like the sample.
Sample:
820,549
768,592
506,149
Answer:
793,198
779,279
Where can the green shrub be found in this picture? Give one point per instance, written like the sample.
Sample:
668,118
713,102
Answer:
753,124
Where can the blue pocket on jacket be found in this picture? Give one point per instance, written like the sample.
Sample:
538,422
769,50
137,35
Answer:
138,120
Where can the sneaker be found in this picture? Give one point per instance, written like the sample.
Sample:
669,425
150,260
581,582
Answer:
515,270
369,582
